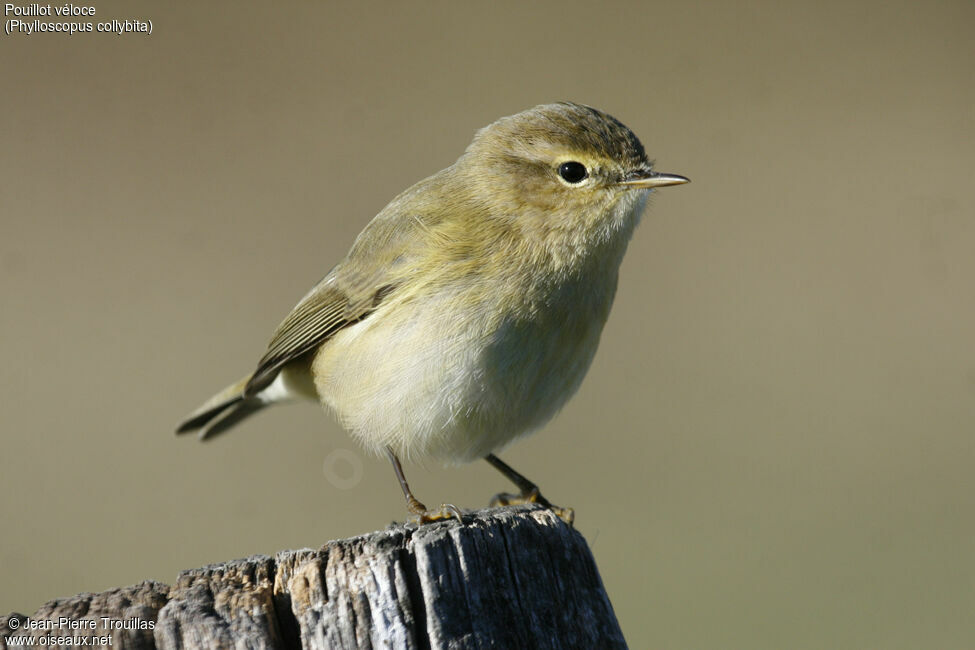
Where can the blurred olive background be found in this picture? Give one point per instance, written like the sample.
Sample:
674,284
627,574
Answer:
775,446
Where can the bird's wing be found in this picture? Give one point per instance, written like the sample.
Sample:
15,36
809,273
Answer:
383,258
380,260
323,312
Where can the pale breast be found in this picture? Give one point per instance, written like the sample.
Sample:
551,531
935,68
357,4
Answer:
458,371
430,380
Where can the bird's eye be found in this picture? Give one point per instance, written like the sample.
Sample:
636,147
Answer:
573,172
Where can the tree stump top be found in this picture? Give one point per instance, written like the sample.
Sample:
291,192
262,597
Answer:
506,578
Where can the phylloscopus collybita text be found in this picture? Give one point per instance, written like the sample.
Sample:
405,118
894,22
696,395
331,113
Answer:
469,309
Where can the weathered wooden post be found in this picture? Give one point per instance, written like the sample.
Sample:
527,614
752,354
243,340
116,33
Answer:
505,578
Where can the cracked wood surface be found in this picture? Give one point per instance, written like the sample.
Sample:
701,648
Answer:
505,578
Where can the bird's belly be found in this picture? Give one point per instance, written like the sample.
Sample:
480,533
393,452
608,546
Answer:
429,382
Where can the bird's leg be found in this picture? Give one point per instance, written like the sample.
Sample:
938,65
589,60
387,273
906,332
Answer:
423,515
529,491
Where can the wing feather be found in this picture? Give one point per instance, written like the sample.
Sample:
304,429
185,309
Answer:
381,259
315,320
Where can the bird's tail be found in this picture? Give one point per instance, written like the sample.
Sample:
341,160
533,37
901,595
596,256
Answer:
222,411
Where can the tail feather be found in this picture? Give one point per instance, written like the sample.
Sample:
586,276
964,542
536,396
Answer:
199,418
221,411
230,416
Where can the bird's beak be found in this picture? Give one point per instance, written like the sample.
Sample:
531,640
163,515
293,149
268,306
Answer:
648,180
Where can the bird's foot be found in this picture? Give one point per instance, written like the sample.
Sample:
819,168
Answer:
423,515
568,515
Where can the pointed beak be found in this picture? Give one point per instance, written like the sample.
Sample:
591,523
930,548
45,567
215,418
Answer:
648,180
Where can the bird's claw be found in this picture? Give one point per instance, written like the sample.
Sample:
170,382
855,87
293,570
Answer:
568,515
421,515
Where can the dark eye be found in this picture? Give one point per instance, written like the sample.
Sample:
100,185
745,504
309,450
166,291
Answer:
573,172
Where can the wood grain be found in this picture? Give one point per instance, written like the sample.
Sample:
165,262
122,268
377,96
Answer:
515,577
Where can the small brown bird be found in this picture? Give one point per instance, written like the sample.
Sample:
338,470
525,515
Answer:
468,310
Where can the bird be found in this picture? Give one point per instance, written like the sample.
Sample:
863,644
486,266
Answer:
468,311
